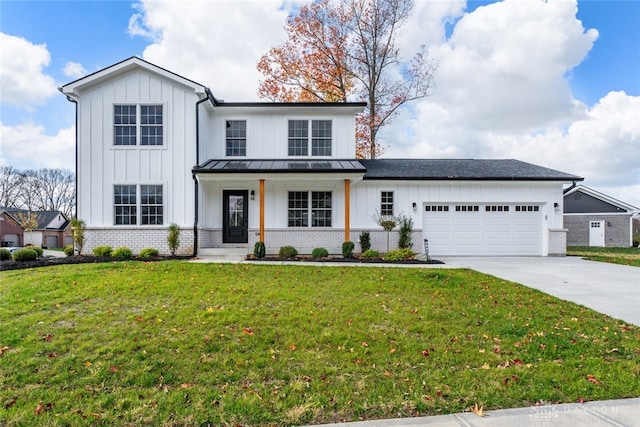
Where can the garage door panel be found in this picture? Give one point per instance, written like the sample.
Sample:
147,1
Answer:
484,232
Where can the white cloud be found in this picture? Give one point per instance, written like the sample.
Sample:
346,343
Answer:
27,146
74,70
22,80
216,43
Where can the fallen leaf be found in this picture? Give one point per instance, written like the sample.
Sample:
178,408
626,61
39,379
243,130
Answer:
47,338
517,362
478,410
593,379
3,349
247,331
87,363
388,374
10,403
393,350
292,347
364,344
114,369
43,408
425,352
52,355
186,385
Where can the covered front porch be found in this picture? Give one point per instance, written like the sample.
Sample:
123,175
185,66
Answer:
302,203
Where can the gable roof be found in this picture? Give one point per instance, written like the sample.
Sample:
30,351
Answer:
73,88
461,169
616,205
44,217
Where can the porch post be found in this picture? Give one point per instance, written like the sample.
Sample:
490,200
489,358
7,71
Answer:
262,210
347,208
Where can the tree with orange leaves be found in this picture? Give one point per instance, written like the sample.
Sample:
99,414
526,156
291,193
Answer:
348,50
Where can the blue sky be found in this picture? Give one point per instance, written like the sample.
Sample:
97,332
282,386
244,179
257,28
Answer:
218,43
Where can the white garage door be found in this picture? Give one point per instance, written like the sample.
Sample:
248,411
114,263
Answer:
483,229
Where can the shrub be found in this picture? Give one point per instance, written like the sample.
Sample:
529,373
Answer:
287,252
370,253
259,251
399,254
365,241
148,253
26,254
78,227
38,250
347,249
122,252
319,253
406,226
104,250
5,254
173,239
68,250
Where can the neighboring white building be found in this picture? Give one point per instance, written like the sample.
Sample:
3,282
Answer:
155,148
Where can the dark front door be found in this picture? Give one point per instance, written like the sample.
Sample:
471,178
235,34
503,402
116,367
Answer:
235,222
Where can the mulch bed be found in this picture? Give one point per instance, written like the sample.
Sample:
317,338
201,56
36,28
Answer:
76,259
354,260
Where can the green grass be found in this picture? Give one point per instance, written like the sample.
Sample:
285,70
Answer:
625,256
176,343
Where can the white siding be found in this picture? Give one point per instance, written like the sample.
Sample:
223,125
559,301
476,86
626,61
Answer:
101,164
267,131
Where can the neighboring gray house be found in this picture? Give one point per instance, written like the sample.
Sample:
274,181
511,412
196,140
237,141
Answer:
595,219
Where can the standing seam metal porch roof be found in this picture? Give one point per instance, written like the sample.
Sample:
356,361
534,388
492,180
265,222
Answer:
280,166
396,169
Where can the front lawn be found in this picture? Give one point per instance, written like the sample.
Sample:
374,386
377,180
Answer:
176,343
625,256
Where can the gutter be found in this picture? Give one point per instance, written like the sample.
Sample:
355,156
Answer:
209,97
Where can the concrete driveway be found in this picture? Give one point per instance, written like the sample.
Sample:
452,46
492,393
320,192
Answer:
607,288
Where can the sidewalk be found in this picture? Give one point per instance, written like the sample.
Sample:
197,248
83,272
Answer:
619,413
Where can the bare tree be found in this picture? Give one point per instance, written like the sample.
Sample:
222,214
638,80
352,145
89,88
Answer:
11,184
343,50
38,190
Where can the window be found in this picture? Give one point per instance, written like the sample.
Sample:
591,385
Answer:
236,137
300,210
125,204
436,208
386,203
527,208
321,137
124,123
151,204
151,124
467,208
127,207
321,208
491,208
127,128
299,138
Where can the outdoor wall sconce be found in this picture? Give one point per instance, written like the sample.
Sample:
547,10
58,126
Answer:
556,206
415,206
608,223
253,195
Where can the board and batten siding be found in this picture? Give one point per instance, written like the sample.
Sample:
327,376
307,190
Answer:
267,131
101,165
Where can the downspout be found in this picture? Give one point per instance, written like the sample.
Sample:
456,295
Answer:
193,175
566,190
76,174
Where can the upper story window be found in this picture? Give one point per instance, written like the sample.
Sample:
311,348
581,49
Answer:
236,137
138,122
300,140
386,203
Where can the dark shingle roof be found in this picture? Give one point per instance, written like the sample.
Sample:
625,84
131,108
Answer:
44,217
279,166
461,169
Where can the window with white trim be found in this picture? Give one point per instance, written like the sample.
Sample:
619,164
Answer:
386,203
148,209
301,213
301,142
133,123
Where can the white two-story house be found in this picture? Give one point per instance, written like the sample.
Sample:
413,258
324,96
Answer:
155,148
